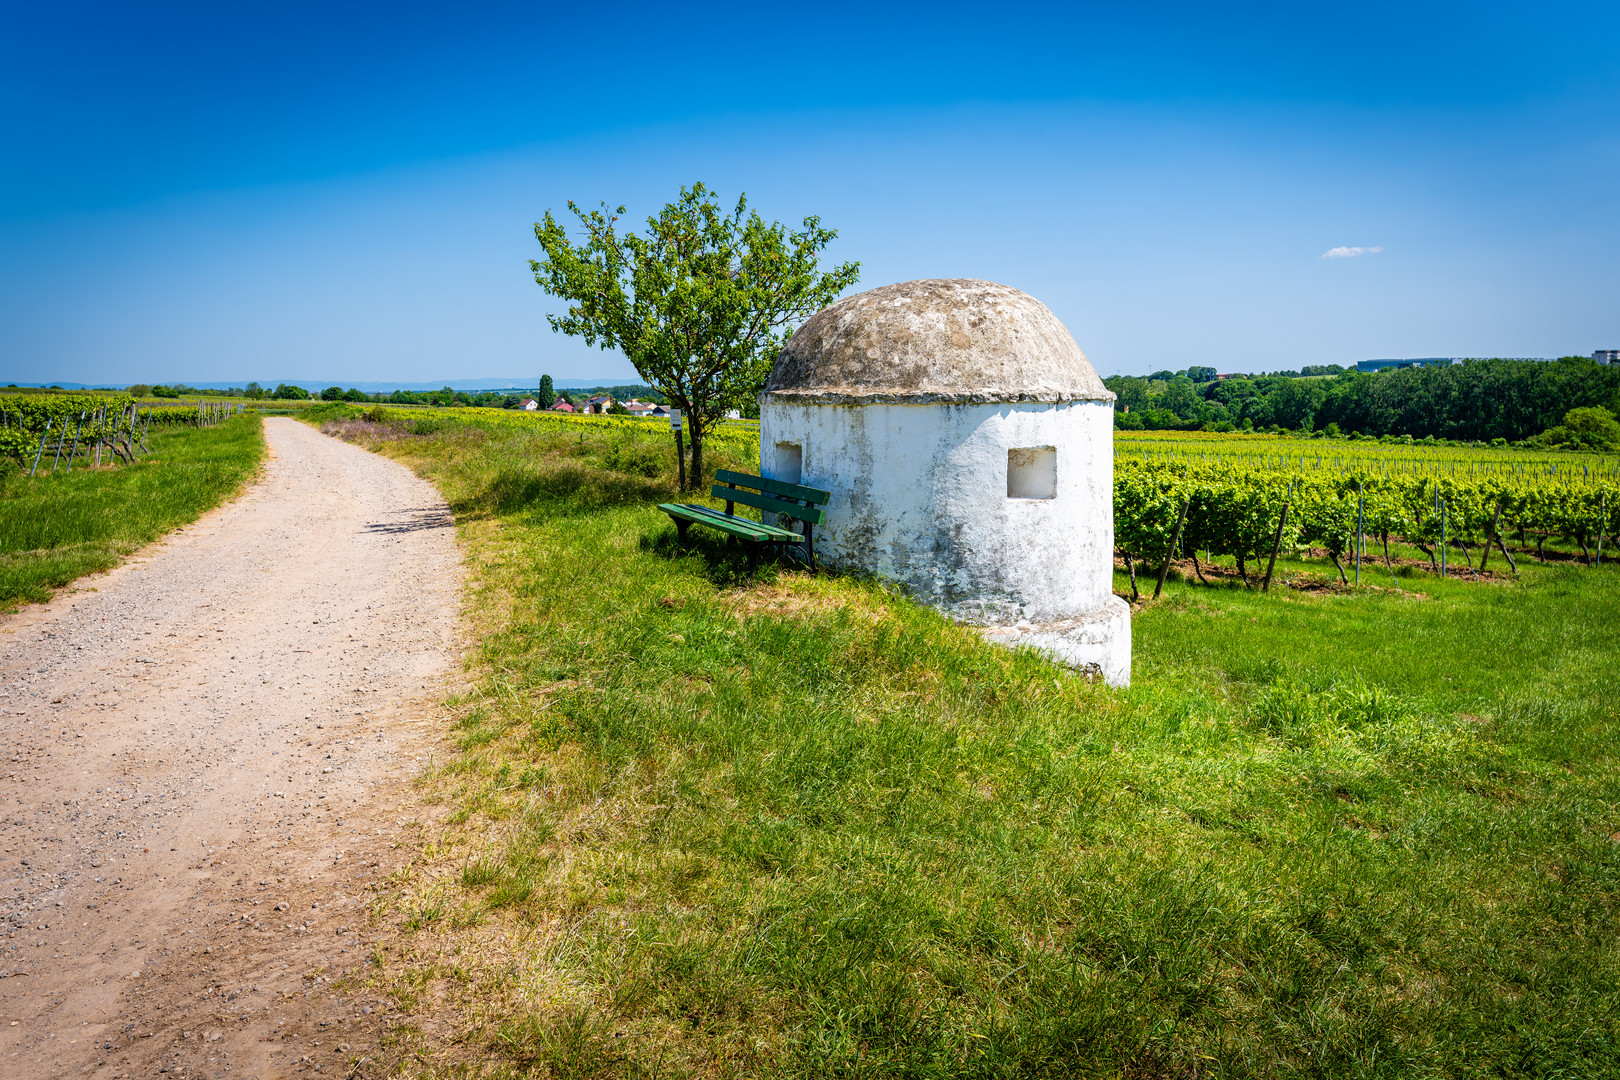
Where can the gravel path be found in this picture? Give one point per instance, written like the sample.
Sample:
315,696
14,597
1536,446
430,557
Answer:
204,767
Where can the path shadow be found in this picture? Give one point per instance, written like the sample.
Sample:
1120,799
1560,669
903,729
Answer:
414,519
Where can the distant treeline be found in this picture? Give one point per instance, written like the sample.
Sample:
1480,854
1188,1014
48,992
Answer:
1473,401
445,397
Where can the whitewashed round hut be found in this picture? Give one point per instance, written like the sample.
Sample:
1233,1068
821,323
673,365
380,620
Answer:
968,446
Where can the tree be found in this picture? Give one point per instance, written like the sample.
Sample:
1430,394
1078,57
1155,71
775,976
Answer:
253,391
701,304
1294,403
1201,374
548,394
1592,428
332,393
1180,398
289,392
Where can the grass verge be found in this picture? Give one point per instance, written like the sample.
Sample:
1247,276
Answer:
54,529
704,825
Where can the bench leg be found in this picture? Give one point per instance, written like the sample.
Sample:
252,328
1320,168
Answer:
680,531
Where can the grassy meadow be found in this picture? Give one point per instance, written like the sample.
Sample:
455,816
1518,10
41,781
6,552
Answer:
700,824
54,529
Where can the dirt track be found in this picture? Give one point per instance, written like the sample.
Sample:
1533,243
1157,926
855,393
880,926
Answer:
204,767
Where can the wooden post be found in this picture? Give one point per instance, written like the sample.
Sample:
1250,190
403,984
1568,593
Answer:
1496,522
1171,550
1282,523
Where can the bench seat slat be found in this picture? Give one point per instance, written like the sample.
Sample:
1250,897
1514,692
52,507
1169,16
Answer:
769,502
778,487
750,530
770,532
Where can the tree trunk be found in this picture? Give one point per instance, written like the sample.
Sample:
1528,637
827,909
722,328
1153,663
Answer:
1339,568
694,475
1243,570
1130,564
1197,569
1387,564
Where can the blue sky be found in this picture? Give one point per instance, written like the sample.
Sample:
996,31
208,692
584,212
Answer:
347,192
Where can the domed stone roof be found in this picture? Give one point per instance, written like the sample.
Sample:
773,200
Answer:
949,341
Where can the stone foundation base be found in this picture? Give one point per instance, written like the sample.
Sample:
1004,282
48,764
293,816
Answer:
1097,643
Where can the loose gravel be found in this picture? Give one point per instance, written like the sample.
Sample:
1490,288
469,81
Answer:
205,759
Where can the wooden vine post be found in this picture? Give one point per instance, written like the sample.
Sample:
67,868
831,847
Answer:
1164,570
1282,523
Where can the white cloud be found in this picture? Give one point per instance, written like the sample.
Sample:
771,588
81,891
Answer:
1351,252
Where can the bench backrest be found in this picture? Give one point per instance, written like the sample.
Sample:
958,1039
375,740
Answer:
777,496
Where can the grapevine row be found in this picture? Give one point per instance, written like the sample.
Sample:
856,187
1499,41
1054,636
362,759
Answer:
1235,511
52,429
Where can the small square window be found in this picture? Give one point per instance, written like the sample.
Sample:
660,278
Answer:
1032,472
789,464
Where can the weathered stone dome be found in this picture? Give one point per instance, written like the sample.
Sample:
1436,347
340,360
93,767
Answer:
947,341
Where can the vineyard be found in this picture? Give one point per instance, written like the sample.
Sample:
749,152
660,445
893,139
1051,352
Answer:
1252,499
52,431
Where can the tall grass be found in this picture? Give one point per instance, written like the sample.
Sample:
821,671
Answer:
54,529
702,824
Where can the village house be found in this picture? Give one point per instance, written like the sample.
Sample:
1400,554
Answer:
529,404
561,406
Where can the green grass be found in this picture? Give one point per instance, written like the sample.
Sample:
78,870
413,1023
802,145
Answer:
705,825
54,529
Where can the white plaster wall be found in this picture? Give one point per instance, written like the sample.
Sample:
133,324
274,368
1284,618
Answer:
919,496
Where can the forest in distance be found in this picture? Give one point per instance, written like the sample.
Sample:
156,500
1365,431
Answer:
1471,401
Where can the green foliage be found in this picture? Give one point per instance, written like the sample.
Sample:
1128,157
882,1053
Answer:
330,409
701,304
289,392
1475,401
548,395
1593,428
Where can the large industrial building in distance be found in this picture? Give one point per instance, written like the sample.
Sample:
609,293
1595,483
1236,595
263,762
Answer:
1422,361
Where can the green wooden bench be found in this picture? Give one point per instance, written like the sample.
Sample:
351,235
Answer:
776,496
